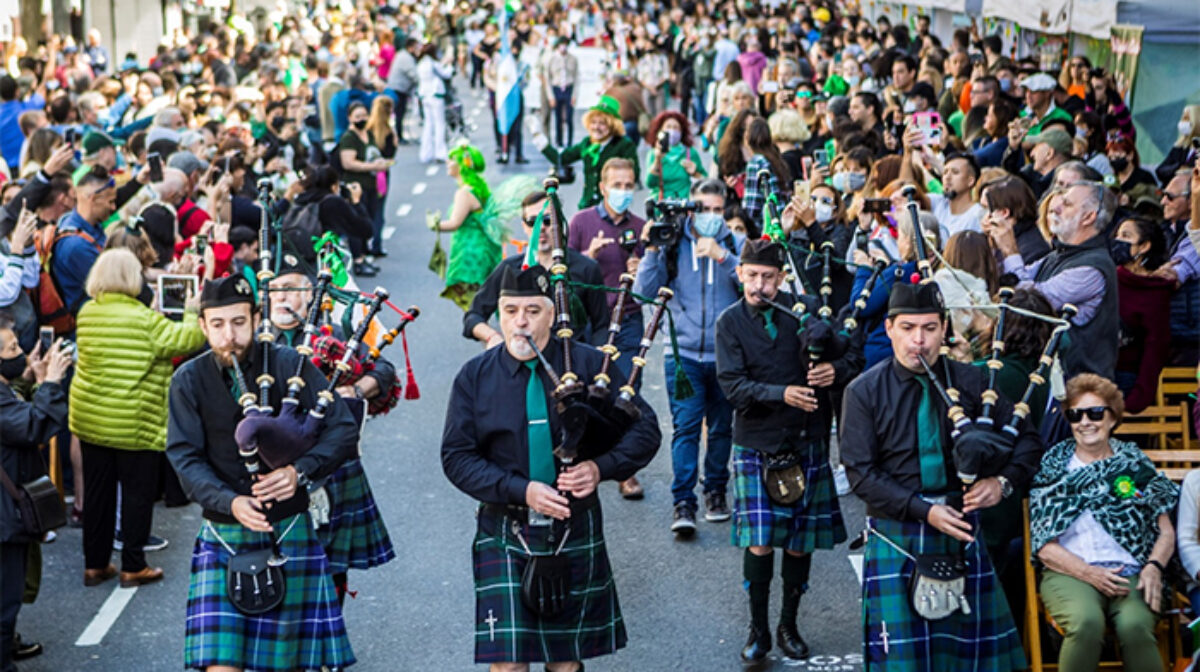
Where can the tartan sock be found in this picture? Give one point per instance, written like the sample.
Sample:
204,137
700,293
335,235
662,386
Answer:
757,570
794,572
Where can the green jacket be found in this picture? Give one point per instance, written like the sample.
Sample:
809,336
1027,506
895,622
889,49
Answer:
677,184
617,147
119,393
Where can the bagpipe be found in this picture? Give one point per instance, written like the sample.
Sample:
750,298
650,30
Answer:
980,449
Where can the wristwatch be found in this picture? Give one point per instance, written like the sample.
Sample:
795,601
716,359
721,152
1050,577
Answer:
358,391
1006,487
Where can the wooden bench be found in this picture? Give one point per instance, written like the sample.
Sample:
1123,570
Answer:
1166,425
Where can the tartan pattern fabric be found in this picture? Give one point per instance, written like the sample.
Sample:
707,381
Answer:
505,631
356,537
813,522
984,640
305,632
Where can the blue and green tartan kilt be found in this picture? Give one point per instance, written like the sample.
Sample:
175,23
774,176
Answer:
812,522
305,632
505,631
356,537
985,640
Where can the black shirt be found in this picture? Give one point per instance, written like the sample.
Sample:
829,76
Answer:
878,437
485,443
579,269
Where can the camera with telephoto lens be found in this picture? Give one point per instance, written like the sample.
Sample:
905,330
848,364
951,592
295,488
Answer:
667,220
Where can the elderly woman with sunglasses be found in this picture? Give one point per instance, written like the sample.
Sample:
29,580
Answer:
1100,523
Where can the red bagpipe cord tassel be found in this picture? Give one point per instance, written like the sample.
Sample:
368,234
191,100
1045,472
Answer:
411,391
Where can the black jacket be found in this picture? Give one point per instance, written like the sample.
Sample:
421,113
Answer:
878,437
23,427
337,214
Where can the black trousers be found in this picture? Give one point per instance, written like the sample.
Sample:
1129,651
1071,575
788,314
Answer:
12,587
401,111
137,472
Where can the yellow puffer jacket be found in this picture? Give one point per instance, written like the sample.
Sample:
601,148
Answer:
119,392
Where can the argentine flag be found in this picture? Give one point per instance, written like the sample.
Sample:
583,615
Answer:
508,77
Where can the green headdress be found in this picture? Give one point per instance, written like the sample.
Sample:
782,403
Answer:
471,166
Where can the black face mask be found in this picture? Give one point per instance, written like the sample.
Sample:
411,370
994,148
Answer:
1120,163
1121,251
13,367
277,123
360,124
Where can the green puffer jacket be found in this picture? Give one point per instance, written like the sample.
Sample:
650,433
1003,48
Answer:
119,392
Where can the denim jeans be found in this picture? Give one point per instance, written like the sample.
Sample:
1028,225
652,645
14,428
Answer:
687,415
564,116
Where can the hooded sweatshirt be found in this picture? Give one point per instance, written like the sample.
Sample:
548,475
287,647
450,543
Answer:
753,63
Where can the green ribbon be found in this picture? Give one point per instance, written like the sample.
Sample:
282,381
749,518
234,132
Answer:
329,255
929,441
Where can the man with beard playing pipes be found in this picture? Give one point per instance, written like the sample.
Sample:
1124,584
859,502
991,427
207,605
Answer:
782,416
306,631
497,447
895,443
350,526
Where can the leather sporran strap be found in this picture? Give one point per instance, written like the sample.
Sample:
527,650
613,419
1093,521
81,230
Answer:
9,485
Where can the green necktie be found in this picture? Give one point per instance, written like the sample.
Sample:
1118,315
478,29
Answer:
541,448
929,442
768,316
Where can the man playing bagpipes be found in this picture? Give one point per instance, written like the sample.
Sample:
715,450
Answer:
351,527
930,597
260,596
544,591
784,494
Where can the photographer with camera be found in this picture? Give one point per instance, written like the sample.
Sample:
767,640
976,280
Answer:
690,250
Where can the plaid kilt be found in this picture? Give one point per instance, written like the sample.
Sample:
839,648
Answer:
985,640
815,521
305,632
505,631
355,537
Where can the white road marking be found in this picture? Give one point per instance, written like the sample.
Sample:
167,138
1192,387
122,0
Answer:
104,619
432,170
387,232
856,560
418,188
404,209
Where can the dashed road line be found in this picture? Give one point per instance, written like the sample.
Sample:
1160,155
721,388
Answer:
856,560
432,170
418,188
104,619
388,232
404,209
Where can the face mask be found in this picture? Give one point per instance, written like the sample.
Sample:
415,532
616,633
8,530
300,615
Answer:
1081,134
620,200
13,367
1185,128
824,212
1005,84
360,124
846,182
1120,163
674,137
707,224
853,80
1121,251
277,123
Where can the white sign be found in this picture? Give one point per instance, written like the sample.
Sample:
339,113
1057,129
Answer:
1094,18
591,75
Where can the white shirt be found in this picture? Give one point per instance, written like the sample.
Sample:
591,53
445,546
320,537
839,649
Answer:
1088,539
951,223
431,77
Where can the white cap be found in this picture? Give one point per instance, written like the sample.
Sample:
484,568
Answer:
1039,82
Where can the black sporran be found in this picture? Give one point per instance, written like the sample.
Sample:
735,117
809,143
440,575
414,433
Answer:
546,584
783,477
253,584
937,586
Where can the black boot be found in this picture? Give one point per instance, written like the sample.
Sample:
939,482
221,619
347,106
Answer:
790,642
757,646
794,570
757,570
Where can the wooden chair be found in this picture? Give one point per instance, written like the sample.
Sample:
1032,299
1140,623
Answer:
55,465
1169,645
1175,384
1166,425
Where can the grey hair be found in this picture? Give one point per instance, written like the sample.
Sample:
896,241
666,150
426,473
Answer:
165,115
929,226
710,187
1102,200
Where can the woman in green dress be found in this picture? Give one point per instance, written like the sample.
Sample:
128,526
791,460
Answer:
476,247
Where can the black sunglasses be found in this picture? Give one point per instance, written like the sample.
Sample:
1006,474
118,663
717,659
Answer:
530,221
1095,414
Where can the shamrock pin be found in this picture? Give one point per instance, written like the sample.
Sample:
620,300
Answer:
1125,487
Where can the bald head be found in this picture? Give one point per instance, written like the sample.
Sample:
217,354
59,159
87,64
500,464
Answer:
174,186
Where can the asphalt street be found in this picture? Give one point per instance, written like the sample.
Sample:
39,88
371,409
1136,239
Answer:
683,602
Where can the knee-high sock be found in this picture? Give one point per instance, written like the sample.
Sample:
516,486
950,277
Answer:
757,570
794,572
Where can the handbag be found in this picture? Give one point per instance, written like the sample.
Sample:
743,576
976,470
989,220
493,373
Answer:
253,584
783,477
38,503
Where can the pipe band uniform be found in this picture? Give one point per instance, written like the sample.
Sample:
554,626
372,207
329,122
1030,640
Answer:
895,439
784,493
507,439
211,454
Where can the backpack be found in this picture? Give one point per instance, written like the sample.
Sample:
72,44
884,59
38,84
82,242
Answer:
47,296
301,226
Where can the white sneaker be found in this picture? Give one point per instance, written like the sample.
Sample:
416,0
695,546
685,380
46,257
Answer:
840,480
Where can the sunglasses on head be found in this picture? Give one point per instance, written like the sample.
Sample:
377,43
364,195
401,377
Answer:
1094,413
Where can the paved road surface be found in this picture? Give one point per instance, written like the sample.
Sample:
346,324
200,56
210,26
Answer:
683,602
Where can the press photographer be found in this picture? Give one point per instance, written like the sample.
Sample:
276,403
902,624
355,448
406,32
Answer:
690,250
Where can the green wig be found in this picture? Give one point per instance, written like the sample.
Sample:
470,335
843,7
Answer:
470,168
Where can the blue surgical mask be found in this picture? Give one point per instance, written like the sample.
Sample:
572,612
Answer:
1005,84
853,80
620,200
707,224
847,182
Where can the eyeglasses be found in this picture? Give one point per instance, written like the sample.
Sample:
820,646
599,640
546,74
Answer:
1094,413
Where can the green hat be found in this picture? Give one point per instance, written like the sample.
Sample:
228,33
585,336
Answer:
94,141
609,106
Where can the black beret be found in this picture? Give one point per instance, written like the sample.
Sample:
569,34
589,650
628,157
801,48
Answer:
291,264
533,281
915,299
226,291
763,252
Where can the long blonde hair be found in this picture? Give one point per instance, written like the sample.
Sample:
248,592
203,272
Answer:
379,124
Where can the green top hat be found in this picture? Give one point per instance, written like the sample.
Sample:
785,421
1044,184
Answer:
609,106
